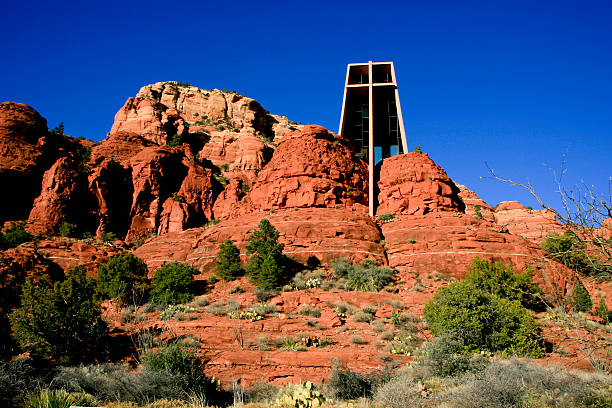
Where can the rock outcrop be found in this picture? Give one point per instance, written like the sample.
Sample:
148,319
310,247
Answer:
321,233
311,168
413,184
534,225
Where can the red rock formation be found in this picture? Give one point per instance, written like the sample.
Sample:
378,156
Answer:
310,168
471,200
61,198
323,233
413,184
228,202
534,225
23,157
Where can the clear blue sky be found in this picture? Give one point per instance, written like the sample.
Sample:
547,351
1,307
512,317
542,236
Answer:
514,83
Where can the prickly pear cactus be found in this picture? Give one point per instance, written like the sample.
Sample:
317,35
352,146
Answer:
300,396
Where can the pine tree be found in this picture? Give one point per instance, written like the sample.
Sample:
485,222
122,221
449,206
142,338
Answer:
228,262
581,300
602,310
267,263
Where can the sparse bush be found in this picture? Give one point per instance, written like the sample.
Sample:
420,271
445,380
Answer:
572,252
68,230
444,357
358,340
228,262
263,309
185,364
266,265
263,295
385,217
20,377
417,149
60,321
581,300
344,308
482,321
14,236
365,277
345,384
477,213
123,277
114,382
520,383
362,317
173,284
309,310
217,309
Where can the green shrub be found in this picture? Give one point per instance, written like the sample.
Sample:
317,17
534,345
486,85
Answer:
173,284
365,277
175,140
477,213
385,217
123,277
482,321
228,262
60,321
581,300
417,149
266,265
68,230
14,236
501,280
182,362
345,384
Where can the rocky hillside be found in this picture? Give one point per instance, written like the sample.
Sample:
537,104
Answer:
184,169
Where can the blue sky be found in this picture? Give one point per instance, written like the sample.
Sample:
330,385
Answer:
514,84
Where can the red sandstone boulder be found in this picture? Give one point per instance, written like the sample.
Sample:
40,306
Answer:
310,168
413,184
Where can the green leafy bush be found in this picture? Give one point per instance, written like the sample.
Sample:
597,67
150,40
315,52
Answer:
365,277
266,265
173,284
60,321
483,321
228,262
581,300
175,140
602,310
14,236
477,213
123,277
417,149
501,280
